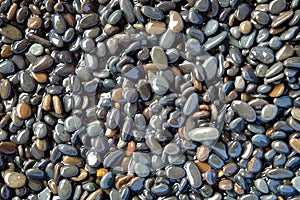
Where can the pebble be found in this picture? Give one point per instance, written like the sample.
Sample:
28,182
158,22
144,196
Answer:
242,11
261,185
175,172
296,183
23,110
42,63
277,6
36,49
193,174
295,144
284,52
14,179
244,110
176,22
155,27
34,22
269,112
72,123
204,134
211,27
214,41
263,54
11,32
64,189
279,174
159,58
245,27
7,67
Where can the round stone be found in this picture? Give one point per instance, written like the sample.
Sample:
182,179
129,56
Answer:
23,110
269,112
72,123
245,27
36,49
14,179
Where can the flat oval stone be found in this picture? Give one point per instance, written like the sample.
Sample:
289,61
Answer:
280,147
8,147
14,179
7,67
203,134
159,58
292,62
59,24
115,17
244,110
284,52
11,32
210,66
193,174
269,112
279,174
27,83
295,144
35,174
36,49
141,170
215,41
282,18
68,171
175,172
211,27
152,13
242,11
277,6
107,181
155,27
64,189
42,63
127,7
23,110
191,104
72,123
176,22
89,20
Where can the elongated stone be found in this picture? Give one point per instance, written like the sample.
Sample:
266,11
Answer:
203,134
159,58
215,41
193,174
244,110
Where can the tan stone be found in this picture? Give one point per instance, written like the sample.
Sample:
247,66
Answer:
176,22
155,27
23,110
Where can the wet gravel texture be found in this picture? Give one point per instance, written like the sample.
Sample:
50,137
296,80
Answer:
121,99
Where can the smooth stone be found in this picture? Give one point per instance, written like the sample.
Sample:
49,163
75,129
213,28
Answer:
236,55
87,44
280,147
115,17
242,11
244,110
176,23
296,183
127,7
56,39
262,35
14,179
193,174
275,42
263,54
152,13
260,17
175,172
295,112
249,197
159,58
67,150
89,20
42,63
36,49
211,27
287,190
45,194
210,66
23,110
289,34
11,32
277,6
136,184
292,62
269,112
285,52
202,5
72,123
27,83
113,158
160,85
261,185
155,27
167,39
193,46
59,24
160,189
7,67
191,104
279,174
260,141
141,170
194,16
68,171
203,134
64,189
107,181
274,70
245,27
35,174
284,101
215,41
282,18
215,161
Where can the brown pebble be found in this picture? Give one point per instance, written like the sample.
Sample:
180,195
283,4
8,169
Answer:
275,31
42,144
295,144
5,89
69,19
110,132
4,120
176,22
110,30
23,110
14,179
296,113
39,77
277,90
245,27
116,95
282,18
202,153
34,22
101,172
34,9
95,195
238,189
203,166
230,169
59,7
225,185
82,175
73,161
11,32
123,181
57,104
53,187
8,147
11,12
47,102
6,51
130,148
155,27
